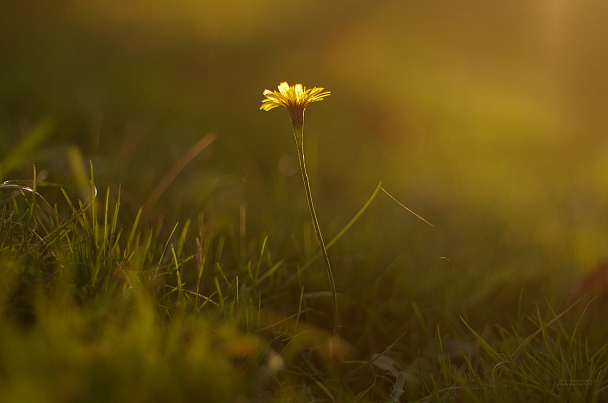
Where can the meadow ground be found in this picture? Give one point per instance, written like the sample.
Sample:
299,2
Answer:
155,242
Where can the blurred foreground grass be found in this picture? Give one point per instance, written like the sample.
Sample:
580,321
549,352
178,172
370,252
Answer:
486,119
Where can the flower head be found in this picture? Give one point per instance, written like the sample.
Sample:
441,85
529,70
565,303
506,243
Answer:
294,98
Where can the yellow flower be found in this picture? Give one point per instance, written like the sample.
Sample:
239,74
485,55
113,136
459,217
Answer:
294,98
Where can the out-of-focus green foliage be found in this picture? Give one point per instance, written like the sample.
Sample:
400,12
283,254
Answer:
487,118
477,112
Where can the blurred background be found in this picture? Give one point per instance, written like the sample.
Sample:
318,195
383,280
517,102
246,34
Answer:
487,118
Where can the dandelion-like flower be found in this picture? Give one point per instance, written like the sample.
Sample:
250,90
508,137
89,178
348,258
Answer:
294,98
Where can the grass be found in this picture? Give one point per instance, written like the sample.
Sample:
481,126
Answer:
181,264
101,304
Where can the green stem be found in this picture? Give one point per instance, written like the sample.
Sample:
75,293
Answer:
298,131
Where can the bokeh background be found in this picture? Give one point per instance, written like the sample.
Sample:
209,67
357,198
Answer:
487,118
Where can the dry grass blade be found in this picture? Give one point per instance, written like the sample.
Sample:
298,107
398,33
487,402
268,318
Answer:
178,167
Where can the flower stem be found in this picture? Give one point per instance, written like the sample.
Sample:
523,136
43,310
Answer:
298,131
